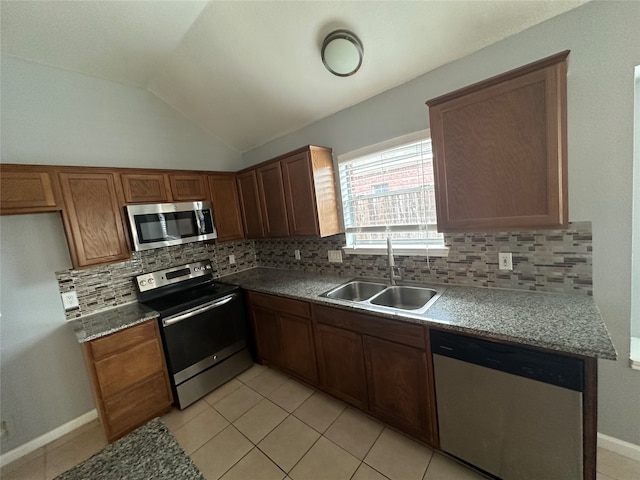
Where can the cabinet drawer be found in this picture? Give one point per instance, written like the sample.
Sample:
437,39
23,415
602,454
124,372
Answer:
272,302
405,333
105,346
134,406
118,372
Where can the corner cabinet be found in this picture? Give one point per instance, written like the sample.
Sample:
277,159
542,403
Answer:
226,207
284,335
500,151
129,378
291,195
93,217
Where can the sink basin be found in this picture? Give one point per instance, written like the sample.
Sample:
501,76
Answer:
356,291
404,297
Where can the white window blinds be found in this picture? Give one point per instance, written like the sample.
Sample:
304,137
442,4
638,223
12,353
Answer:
388,191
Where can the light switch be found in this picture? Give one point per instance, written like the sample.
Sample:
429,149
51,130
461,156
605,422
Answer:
335,256
505,261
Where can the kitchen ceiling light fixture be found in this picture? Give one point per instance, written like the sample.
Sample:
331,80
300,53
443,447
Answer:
342,53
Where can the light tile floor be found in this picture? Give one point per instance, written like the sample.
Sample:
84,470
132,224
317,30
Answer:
266,426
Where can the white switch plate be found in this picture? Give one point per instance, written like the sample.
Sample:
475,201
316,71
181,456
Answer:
505,261
335,256
69,300
296,253
232,259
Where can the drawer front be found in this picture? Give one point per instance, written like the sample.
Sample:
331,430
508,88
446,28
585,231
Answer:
405,333
122,340
281,304
118,372
134,406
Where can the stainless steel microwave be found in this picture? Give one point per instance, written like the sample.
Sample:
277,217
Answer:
164,224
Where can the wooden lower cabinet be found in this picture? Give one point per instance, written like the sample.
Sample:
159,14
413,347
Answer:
341,364
284,334
129,378
397,380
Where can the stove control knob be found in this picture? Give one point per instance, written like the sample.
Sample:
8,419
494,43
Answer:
196,269
143,283
208,267
151,280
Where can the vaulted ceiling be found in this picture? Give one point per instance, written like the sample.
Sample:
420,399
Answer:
250,71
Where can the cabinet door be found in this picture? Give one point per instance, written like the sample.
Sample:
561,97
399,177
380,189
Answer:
298,348
226,207
500,151
188,187
302,213
397,381
26,190
271,194
267,334
250,204
93,219
341,364
145,188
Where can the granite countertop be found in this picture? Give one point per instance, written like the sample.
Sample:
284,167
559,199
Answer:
561,322
109,321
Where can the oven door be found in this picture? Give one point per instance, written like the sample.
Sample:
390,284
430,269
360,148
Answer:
198,338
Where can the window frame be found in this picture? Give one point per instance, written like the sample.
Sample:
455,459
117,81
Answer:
417,249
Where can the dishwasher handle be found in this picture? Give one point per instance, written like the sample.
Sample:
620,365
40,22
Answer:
198,310
555,369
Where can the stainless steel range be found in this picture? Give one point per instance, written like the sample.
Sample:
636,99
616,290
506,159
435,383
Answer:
203,325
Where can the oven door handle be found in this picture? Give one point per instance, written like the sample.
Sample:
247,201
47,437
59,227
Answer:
198,310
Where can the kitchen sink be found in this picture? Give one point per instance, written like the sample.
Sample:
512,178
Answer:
404,297
387,298
356,291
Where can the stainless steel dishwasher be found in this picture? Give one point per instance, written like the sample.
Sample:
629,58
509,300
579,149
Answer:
514,412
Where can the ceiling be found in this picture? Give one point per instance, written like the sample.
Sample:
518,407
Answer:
248,72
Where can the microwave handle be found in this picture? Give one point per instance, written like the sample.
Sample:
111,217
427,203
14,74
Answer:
196,311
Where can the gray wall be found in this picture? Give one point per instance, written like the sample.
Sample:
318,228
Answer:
605,48
50,116
55,117
635,265
44,380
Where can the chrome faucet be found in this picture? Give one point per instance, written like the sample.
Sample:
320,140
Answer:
390,262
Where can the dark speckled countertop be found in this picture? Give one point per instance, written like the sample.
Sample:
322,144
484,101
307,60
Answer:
109,321
565,323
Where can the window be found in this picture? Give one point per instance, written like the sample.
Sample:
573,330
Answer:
635,224
388,190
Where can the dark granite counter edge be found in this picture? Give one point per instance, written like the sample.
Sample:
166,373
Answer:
318,284
106,322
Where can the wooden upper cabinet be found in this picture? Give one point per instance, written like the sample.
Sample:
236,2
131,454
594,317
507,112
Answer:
309,187
145,188
27,189
226,207
93,218
188,187
272,202
500,151
250,204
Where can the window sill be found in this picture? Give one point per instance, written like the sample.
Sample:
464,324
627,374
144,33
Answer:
635,353
409,251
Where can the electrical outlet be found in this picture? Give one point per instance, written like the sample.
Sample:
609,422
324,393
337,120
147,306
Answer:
232,259
335,256
70,300
505,261
296,254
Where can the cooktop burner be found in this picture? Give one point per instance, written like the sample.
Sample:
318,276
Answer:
184,300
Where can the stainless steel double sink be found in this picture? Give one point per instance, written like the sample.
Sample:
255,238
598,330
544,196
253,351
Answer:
376,295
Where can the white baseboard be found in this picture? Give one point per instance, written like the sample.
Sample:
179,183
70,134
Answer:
41,441
619,446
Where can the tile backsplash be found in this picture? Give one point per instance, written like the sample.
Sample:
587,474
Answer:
547,260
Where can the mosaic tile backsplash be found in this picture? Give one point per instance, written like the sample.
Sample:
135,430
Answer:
557,261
